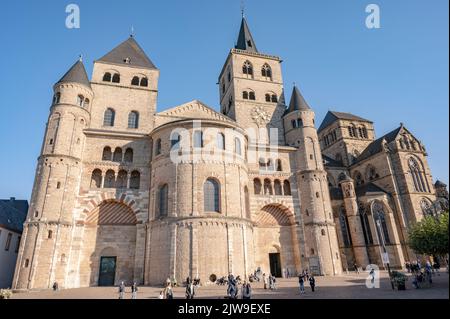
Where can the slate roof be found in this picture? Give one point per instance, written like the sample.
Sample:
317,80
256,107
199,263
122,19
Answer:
333,116
439,184
129,49
329,162
245,40
13,214
377,145
297,101
77,74
368,189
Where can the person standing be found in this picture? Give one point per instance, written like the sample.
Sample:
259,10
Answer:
168,292
301,282
264,280
312,282
121,290
356,268
246,290
134,290
190,289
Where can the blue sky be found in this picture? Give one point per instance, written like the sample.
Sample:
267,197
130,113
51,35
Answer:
398,73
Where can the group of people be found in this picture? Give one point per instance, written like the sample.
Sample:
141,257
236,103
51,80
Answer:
422,274
269,281
134,290
303,277
233,288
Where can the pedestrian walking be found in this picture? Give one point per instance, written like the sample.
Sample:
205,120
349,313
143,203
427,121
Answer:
134,290
301,282
121,290
190,289
312,282
246,291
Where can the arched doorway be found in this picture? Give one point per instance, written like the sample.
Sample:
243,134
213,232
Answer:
277,250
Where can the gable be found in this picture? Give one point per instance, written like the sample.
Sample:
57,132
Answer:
194,110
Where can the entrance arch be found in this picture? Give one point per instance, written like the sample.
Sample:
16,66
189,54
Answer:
277,249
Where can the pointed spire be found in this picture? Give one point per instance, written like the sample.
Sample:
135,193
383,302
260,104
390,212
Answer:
297,101
245,39
128,53
76,74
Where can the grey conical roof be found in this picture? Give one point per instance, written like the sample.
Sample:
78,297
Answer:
76,74
440,184
131,51
297,102
245,39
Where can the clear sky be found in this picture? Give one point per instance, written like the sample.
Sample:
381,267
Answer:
398,73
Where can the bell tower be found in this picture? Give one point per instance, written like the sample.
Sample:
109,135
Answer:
251,86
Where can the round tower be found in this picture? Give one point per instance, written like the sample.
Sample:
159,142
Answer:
322,250
47,231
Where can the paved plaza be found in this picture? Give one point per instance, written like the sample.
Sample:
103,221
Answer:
347,286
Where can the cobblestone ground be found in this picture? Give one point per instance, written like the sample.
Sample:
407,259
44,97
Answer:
348,286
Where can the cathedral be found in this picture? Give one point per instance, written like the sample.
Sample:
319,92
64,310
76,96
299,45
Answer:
125,193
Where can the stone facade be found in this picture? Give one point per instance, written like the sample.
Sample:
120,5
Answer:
125,193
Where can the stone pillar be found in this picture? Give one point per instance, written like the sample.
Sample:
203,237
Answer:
354,223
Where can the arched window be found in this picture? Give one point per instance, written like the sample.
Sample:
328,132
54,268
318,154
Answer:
358,179
175,140
107,154
287,188
135,180
86,103
121,181
237,146
344,228
158,147
133,119
220,141
117,156
364,131
144,82
380,222
365,225
294,124
247,69
80,100
135,80
371,173
247,203
268,187
96,179
419,181
322,231
279,166
427,208
56,98
107,77
163,200
128,157
211,192
116,78
274,98
267,96
277,187
251,95
257,186
245,95
266,72
198,139
269,165
109,179
299,122
108,118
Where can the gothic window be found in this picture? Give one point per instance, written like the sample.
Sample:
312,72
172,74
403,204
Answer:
417,175
237,146
144,82
117,156
427,208
247,203
135,180
247,69
266,72
402,145
163,194
245,95
364,131
128,157
133,119
109,179
251,95
277,187
198,139
158,147
343,220
286,188
371,173
380,222
107,154
267,97
279,166
220,141
358,178
107,77
135,80
121,181
96,179
267,187
257,186
108,118
365,225
350,131
116,78
274,98
211,192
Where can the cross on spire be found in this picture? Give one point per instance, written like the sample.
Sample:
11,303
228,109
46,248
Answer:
132,31
242,8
